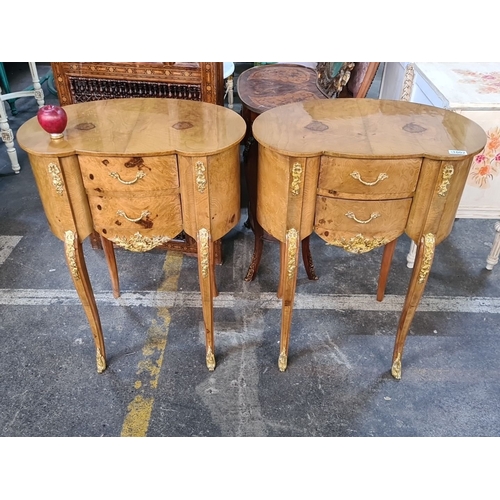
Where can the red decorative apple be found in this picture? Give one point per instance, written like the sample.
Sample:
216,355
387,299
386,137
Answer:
52,119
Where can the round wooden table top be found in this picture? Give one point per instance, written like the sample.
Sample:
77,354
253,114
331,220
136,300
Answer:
368,128
145,126
264,87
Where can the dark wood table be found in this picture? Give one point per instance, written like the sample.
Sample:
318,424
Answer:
260,89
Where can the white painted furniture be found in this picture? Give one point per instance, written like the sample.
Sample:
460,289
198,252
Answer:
470,89
7,134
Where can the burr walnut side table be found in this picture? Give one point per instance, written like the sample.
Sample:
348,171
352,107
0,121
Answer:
93,81
359,173
139,171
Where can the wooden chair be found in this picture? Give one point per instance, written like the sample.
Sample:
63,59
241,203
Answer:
361,80
265,87
346,82
35,91
358,85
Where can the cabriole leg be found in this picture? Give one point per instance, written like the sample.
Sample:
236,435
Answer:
207,285
250,167
109,253
419,277
308,260
288,282
385,268
257,252
78,270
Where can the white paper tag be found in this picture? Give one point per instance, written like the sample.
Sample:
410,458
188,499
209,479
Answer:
457,152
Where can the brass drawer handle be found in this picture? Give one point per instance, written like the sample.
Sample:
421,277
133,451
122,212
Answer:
381,177
123,214
351,215
139,175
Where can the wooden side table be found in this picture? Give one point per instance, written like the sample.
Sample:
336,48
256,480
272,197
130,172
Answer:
359,173
260,89
139,171
92,81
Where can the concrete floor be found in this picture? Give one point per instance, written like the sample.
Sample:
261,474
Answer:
338,380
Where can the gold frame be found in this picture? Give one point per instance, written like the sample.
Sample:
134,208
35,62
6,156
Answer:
331,81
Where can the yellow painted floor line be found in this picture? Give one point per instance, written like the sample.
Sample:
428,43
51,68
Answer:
139,410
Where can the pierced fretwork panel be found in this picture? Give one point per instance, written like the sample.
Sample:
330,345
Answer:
96,89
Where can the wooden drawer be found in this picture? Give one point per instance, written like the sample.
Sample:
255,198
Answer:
338,220
111,173
368,179
158,215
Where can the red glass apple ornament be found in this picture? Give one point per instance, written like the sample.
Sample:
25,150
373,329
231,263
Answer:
52,119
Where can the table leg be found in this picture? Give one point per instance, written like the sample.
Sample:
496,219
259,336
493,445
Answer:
109,253
288,282
418,280
78,270
207,285
492,259
8,138
258,233
230,92
37,87
385,268
95,240
307,258
410,258
283,271
250,166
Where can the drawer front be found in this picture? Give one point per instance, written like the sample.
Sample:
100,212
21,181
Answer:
123,216
110,173
368,179
339,222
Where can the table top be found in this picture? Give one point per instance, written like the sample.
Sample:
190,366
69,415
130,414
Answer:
264,87
368,128
139,126
464,85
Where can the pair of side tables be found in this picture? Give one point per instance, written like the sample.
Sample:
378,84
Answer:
358,172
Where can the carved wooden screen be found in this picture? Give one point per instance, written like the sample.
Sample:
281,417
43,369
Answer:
91,81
